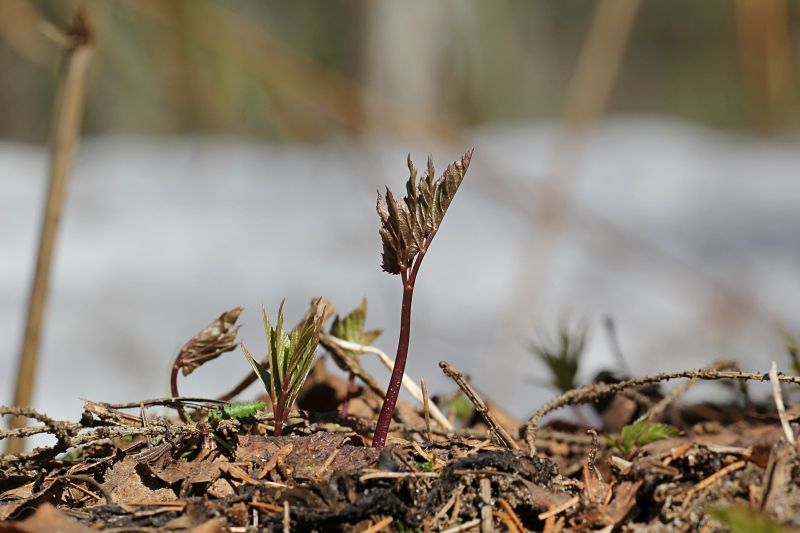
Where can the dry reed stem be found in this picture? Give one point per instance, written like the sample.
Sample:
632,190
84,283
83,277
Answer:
778,396
596,391
66,131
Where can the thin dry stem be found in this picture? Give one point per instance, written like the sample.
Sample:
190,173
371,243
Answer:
778,395
66,130
480,405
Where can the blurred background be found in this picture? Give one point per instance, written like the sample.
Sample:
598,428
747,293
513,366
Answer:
634,160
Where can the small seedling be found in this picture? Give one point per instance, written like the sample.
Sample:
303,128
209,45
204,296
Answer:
290,357
351,329
640,433
407,230
212,341
562,357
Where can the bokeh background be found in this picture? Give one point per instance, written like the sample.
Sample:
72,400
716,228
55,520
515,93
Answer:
634,159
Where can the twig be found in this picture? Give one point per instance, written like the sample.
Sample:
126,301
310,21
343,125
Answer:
89,480
426,409
511,514
596,391
378,526
480,405
463,527
395,475
166,402
287,520
778,395
66,130
487,524
408,382
655,410
713,478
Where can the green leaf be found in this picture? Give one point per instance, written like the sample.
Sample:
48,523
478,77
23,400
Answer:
261,372
236,410
351,328
740,519
642,432
407,226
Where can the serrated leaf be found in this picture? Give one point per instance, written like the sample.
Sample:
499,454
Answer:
408,225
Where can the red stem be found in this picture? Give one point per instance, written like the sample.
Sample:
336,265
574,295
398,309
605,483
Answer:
173,382
393,391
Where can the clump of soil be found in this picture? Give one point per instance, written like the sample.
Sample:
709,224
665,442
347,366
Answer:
122,468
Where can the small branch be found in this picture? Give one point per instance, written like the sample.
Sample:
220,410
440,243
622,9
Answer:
597,391
166,402
778,395
408,382
480,405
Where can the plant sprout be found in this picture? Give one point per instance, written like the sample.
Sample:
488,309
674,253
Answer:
290,357
562,357
351,329
407,230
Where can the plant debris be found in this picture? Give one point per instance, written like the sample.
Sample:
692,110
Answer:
118,470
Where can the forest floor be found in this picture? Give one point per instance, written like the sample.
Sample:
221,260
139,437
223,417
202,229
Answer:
123,468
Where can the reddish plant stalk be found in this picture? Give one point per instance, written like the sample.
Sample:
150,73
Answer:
395,382
173,383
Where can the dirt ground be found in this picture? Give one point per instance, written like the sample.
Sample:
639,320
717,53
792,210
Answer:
124,468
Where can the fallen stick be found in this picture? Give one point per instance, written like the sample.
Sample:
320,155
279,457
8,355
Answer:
480,405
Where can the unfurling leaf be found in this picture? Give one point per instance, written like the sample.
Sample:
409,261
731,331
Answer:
290,357
351,327
214,340
408,225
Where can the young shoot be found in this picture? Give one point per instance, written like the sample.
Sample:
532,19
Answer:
351,329
562,357
407,230
290,357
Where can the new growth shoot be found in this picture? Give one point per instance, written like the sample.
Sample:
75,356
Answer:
407,230
290,356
